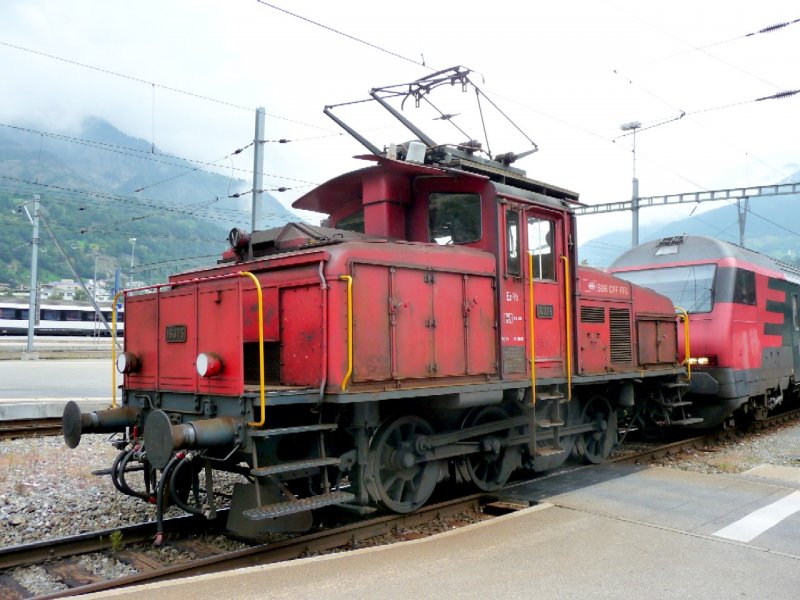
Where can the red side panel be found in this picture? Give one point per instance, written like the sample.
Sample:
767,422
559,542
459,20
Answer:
219,330
481,319
449,330
371,342
271,315
141,322
411,304
301,353
177,308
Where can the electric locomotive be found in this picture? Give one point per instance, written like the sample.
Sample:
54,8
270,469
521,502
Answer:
742,308
434,327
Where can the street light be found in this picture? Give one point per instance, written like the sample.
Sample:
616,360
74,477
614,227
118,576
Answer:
133,249
633,126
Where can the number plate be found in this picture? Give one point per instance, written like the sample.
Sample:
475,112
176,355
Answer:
176,334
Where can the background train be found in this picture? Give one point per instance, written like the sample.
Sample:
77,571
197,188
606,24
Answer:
745,332
435,327
57,319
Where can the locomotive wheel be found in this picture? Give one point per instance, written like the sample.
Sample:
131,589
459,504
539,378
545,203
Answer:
394,476
595,446
490,469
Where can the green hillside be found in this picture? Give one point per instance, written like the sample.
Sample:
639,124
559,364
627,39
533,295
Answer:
87,185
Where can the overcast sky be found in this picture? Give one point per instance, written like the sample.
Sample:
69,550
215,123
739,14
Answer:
568,73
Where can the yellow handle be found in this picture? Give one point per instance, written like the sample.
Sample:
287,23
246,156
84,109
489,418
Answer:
260,349
347,375
568,298
686,351
114,350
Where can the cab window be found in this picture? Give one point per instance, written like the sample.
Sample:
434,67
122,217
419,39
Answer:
354,222
540,245
744,291
512,243
454,218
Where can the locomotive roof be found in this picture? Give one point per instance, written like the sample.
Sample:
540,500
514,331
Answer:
508,181
695,249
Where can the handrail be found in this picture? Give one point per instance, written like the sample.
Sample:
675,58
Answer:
533,330
567,295
114,349
158,286
260,349
347,375
687,355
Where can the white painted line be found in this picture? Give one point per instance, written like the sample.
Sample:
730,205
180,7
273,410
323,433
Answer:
757,522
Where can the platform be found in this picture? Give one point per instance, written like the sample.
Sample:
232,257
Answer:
608,532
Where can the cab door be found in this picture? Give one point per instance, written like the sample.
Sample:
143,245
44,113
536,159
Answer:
545,247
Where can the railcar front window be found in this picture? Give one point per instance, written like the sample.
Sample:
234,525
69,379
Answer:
690,287
454,218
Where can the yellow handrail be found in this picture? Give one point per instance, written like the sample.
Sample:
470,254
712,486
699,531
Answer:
114,350
686,351
260,348
347,375
568,313
533,330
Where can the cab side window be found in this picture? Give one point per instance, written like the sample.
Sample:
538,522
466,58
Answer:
744,291
540,245
454,218
512,243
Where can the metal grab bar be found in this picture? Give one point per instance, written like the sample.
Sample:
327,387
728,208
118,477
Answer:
687,355
567,295
347,375
531,315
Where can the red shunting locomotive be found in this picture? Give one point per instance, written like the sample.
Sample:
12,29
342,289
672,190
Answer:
435,327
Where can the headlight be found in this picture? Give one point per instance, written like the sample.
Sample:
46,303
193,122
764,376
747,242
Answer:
127,362
208,364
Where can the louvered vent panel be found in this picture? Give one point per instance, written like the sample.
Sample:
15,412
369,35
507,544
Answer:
620,325
593,314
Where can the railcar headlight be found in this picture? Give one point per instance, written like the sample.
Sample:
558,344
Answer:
128,362
208,364
703,361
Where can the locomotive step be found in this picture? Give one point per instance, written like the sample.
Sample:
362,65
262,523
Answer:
549,451
265,433
298,465
674,384
676,404
282,509
549,423
690,421
547,396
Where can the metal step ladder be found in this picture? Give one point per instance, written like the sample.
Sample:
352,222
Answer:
680,404
291,504
552,421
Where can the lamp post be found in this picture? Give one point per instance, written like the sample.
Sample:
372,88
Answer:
94,285
133,249
633,126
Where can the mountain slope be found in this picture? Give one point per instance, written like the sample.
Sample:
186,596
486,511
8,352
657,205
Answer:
88,188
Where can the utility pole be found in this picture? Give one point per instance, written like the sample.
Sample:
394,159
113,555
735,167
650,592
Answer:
32,307
133,249
258,167
633,126
741,209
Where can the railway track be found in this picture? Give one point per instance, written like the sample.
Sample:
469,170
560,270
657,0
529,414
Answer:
60,557
714,437
22,428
